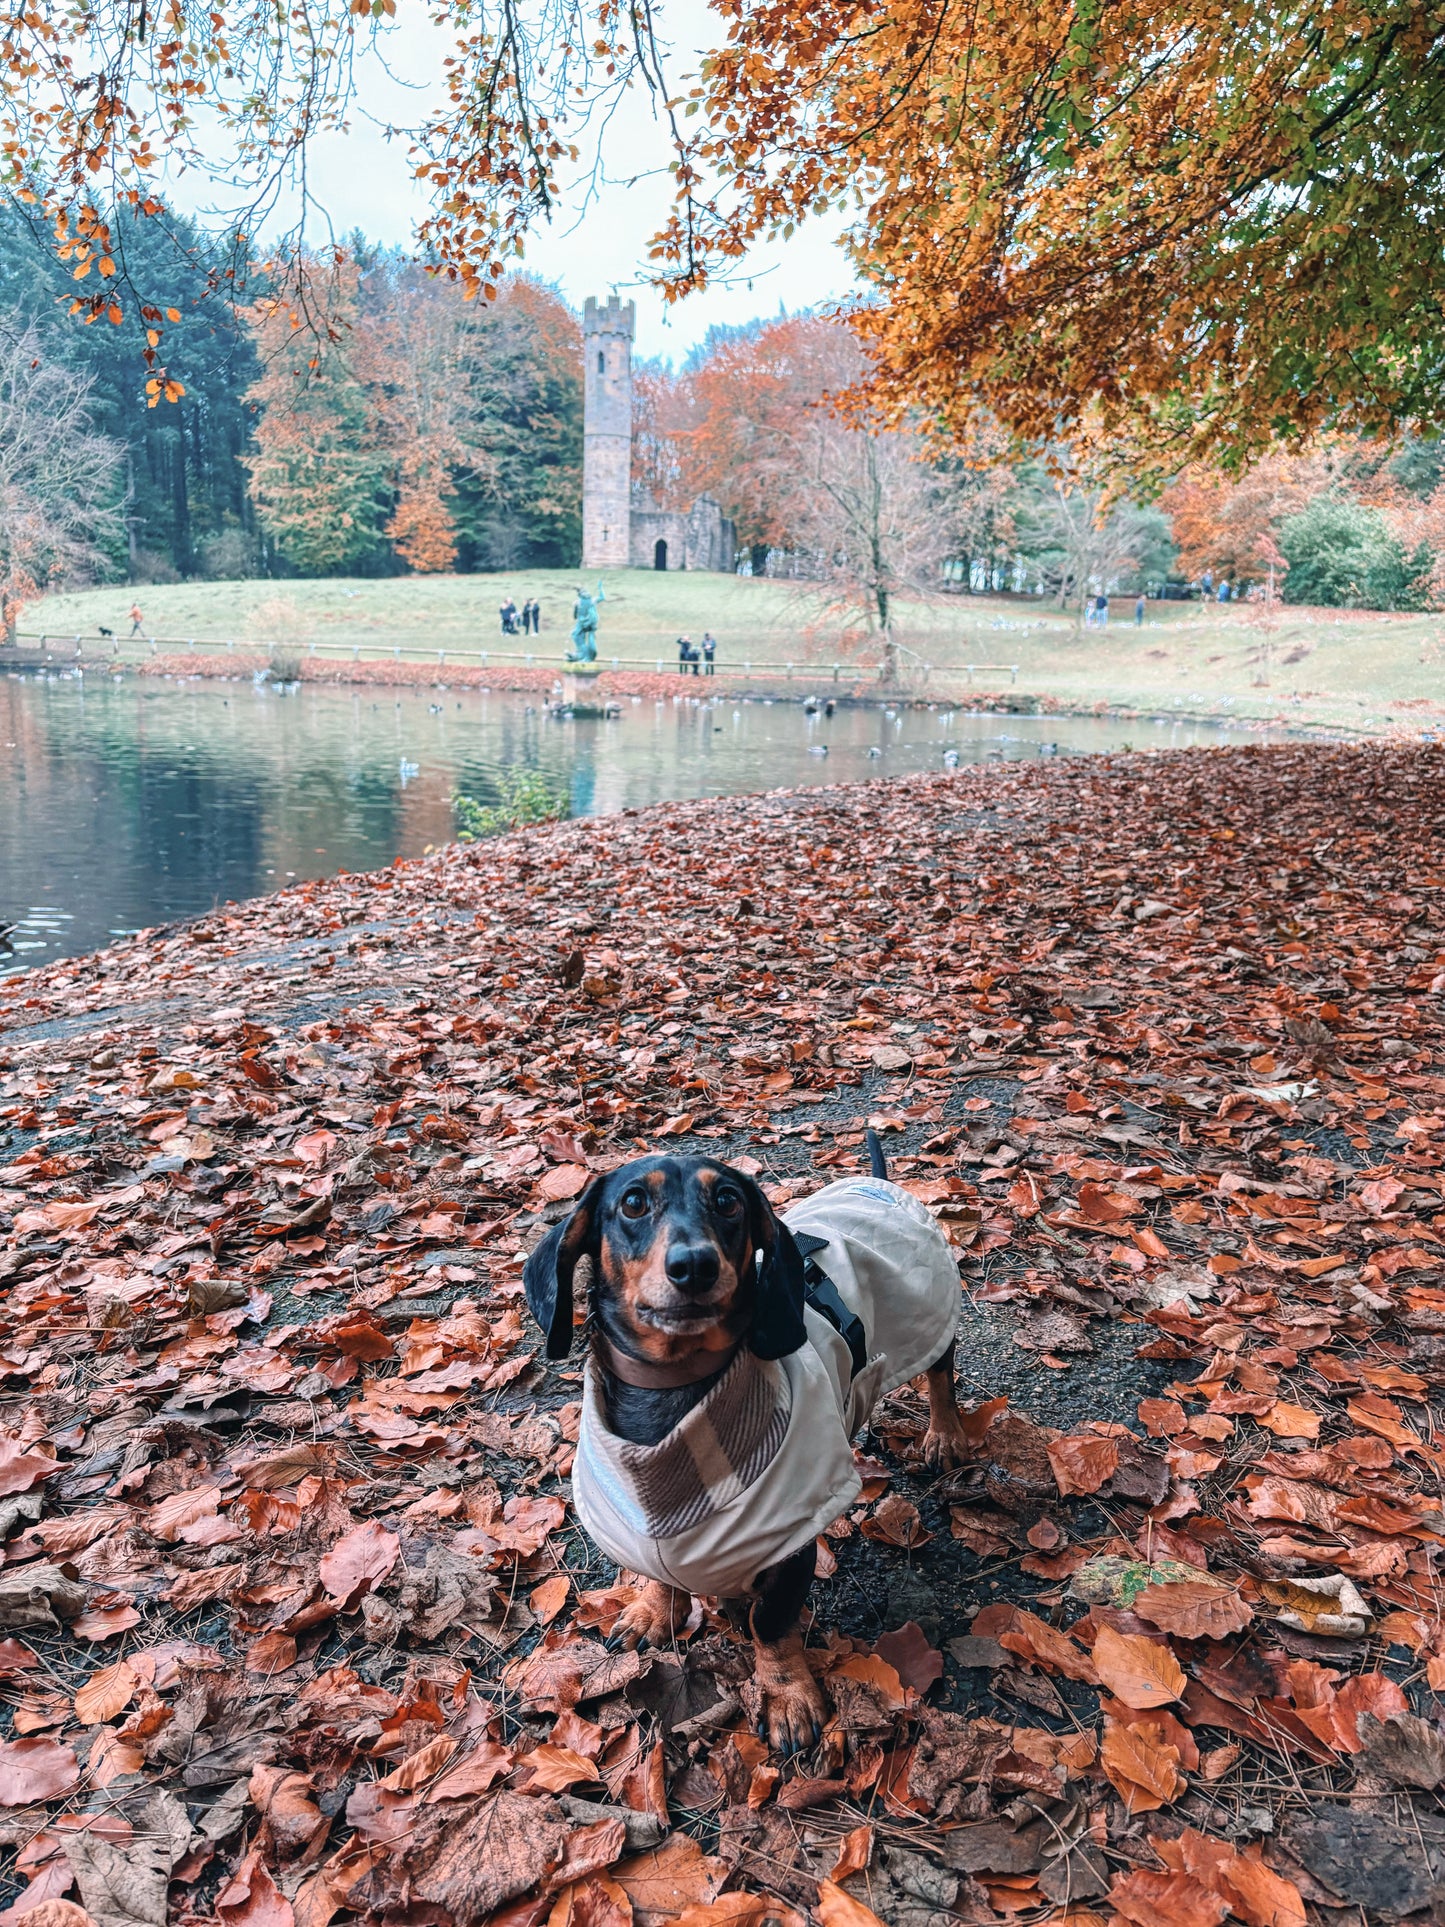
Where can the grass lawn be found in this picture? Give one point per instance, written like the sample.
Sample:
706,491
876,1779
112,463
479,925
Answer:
1329,667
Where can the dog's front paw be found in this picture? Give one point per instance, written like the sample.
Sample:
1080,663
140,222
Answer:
792,1708
655,1618
944,1444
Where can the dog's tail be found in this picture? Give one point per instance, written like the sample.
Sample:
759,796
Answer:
877,1163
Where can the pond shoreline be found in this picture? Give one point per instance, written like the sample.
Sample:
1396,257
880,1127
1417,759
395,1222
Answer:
811,684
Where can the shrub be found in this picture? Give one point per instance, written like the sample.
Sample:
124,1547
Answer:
523,796
1342,555
228,556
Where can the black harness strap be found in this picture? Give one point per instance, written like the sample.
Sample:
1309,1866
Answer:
823,1295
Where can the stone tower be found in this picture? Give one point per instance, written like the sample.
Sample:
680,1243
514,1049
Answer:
607,433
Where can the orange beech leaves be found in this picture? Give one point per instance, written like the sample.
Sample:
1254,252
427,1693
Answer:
296,1625
1197,225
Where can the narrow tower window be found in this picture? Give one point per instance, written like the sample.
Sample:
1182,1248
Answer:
601,362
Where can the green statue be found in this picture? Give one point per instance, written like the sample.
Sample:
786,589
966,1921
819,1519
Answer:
584,624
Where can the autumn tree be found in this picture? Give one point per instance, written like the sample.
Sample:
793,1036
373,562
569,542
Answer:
518,500
450,432
1206,225
408,352
60,516
317,469
1230,525
863,508
1080,538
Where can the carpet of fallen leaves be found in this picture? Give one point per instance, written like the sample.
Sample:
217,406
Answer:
294,1623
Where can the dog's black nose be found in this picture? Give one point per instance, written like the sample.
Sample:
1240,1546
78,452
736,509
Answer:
692,1268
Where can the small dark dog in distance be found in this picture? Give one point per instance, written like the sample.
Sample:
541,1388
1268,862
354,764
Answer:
733,1355
106,632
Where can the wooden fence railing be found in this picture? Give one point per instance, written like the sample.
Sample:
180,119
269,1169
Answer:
115,648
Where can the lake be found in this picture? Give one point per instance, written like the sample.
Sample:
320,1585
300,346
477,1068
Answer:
134,802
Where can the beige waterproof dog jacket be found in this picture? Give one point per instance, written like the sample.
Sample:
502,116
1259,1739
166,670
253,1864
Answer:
764,1462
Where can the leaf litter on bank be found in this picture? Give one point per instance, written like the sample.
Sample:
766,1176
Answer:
294,1626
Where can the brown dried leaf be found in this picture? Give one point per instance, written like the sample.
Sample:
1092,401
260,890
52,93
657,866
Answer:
1142,1770
32,1770
1141,1672
1082,1464
358,1561
1194,1609
1166,1900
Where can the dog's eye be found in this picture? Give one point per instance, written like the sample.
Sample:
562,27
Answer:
634,1202
727,1203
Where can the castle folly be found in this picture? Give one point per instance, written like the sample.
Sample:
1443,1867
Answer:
622,527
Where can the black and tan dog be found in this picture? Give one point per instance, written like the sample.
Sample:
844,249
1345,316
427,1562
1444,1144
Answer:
733,1356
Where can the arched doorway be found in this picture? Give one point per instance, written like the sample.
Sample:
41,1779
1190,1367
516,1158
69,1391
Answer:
659,556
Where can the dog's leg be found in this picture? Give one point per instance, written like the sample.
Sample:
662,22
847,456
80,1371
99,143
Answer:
944,1443
793,1710
655,1617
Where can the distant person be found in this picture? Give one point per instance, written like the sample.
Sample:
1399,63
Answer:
709,650
536,617
1101,611
1224,591
1139,613
508,613
1206,582
684,654
136,619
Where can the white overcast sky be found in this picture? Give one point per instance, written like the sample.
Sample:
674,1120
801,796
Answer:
361,179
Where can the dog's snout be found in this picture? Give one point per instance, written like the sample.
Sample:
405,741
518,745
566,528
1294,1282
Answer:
693,1268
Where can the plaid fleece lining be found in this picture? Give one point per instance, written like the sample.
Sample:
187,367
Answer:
720,1448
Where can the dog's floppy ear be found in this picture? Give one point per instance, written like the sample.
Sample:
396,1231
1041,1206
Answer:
777,1327
547,1279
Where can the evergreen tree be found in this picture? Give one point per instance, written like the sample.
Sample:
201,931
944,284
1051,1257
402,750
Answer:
181,483
318,471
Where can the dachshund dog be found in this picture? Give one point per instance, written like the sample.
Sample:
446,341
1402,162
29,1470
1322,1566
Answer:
732,1358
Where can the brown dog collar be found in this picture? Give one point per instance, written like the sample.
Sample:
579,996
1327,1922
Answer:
650,1377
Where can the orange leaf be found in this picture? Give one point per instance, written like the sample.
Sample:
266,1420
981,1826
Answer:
563,1181
557,1767
895,1522
1035,1639
358,1560
1260,1896
1141,1672
855,1850
32,1770
670,1877
106,1693
1193,1609
1144,1773
1288,1421
548,1599
1166,1900
1105,1207
878,1674
837,1909
740,1910
1083,1465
